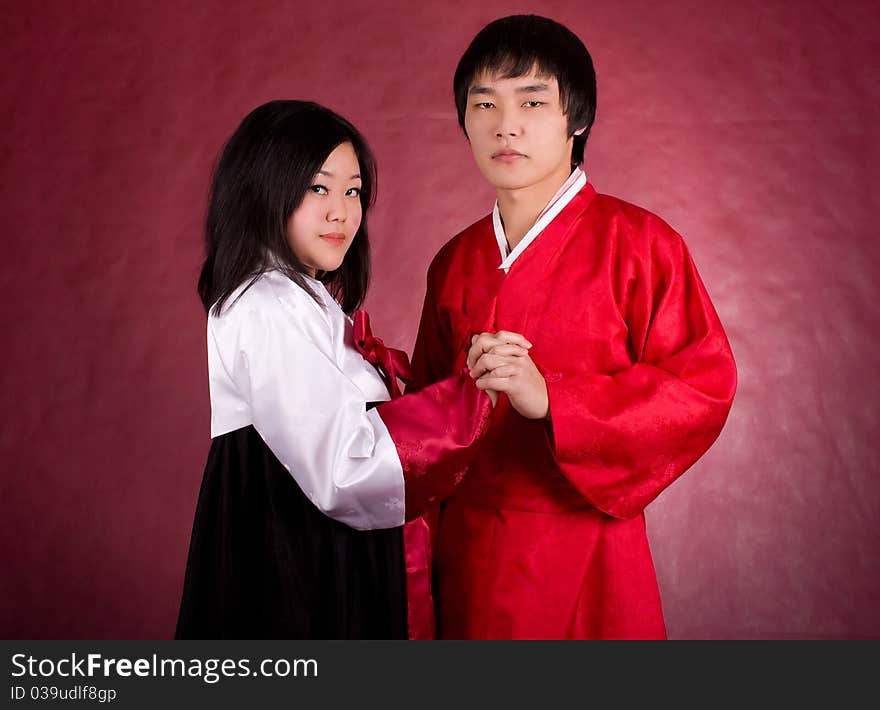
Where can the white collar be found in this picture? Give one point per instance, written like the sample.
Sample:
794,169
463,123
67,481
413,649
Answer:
563,196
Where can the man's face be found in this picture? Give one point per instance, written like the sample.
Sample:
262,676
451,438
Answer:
517,130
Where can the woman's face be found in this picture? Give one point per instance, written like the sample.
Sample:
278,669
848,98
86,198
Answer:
322,228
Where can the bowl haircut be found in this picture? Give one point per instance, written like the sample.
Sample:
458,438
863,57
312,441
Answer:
519,44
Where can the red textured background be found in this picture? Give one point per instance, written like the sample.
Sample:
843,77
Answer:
751,127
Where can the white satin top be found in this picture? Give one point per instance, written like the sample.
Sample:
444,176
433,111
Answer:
279,361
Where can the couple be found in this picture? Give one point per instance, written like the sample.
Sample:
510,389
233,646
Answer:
569,366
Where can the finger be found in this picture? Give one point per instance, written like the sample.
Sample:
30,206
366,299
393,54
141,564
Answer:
479,368
511,337
504,371
480,344
486,341
509,350
513,343
474,352
499,384
485,363
472,356
489,362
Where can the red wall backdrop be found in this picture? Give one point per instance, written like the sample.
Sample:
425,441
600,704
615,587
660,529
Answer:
751,127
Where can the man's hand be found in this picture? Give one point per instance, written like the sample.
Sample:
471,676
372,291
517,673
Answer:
510,344
500,362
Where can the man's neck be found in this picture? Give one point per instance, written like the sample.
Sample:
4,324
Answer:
519,208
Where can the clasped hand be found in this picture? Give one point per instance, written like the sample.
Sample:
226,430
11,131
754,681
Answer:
500,362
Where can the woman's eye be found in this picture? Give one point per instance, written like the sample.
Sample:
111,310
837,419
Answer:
533,104
484,104
319,189
353,192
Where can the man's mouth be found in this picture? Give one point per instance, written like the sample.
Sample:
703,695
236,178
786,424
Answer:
507,155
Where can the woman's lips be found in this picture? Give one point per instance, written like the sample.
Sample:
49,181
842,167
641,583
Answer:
334,238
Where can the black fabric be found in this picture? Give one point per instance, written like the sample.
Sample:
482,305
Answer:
264,562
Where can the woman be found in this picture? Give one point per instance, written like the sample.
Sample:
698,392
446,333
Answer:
315,462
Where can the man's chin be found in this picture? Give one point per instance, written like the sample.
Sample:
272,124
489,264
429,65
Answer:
510,183
506,178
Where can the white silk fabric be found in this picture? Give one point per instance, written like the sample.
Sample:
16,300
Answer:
287,365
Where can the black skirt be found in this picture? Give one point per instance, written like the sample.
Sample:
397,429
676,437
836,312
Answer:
264,562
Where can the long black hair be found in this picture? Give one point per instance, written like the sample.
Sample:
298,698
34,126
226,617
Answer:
512,46
261,177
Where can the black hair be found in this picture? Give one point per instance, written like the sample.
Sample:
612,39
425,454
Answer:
513,46
261,177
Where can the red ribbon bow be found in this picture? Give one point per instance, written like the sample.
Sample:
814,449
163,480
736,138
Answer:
392,363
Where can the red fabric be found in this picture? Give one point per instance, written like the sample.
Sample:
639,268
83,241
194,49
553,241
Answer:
391,363
545,538
419,563
436,432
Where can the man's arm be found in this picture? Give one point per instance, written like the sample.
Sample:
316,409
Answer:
623,437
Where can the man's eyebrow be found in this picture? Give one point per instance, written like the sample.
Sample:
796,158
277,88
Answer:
330,173
532,88
527,89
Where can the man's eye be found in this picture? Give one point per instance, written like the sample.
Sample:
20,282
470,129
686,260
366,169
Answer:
533,104
353,192
318,189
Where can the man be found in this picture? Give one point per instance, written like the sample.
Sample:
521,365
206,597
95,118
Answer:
587,314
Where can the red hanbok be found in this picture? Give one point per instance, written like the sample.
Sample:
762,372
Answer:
545,536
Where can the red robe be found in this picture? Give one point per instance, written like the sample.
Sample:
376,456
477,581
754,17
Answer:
545,537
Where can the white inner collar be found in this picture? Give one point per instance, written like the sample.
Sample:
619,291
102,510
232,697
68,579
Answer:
563,196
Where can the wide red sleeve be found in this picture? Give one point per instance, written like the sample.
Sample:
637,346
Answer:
622,437
438,423
437,432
